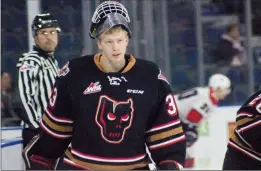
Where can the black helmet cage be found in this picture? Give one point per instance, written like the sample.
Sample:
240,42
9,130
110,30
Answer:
45,21
107,15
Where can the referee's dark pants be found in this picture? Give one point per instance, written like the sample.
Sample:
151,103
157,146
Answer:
28,134
236,160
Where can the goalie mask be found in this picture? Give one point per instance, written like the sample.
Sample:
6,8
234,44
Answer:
107,15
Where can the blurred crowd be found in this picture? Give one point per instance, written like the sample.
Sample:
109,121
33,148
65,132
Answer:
11,107
229,51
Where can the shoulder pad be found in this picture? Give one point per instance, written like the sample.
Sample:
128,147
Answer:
146,64
28,63
75,65
252,105
152,68
31,58
162,77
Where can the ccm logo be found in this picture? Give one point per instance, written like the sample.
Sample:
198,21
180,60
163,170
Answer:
135,91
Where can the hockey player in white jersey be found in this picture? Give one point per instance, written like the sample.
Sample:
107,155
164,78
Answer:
197,104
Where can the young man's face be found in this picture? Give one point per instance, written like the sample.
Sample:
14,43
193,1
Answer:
114,45
222,93
47,39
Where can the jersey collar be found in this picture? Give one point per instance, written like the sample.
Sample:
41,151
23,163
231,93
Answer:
41,52
130,64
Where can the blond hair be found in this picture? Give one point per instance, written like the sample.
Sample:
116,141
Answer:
114,30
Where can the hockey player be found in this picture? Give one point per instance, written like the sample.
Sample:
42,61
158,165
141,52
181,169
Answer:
197,104
105,107
244,146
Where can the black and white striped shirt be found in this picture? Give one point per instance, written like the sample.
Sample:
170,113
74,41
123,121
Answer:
36,76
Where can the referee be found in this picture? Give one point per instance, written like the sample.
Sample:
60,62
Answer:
37,71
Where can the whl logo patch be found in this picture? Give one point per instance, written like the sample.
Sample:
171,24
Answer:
26,67
93,88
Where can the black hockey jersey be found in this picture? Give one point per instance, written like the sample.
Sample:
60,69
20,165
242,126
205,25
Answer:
103,120
246,138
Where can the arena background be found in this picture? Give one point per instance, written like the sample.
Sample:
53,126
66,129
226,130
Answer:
179,35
